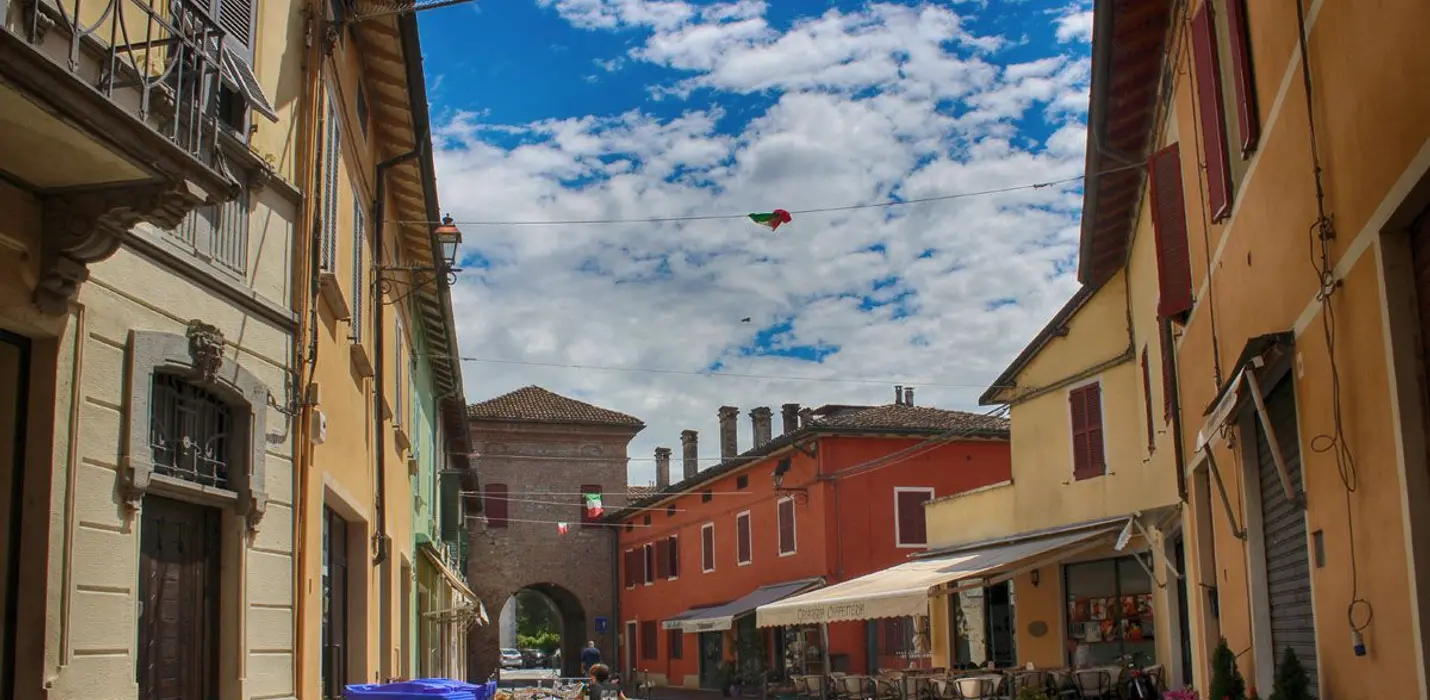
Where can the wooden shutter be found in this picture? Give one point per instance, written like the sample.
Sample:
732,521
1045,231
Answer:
707,548
1169,369
359,295
1147,400
496,505
398,385
332,157
586,520
630,566
742,539
648,561
451,504
1246,115
662,559
1210,112
786,518
235,17
1169,223
673,543
913,530
1088,457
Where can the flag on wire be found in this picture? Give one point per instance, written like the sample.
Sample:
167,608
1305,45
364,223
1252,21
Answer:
773,220
593,506
562,528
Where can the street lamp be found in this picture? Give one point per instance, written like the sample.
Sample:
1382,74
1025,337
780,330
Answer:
449,237
415,277
777,477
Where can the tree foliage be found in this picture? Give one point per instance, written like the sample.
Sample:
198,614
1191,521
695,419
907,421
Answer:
1292,682
1227,683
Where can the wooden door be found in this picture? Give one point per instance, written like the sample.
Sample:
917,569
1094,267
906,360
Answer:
14,395
712,654
1420,260
335,604
178,598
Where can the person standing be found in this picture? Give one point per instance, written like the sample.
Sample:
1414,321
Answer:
590,656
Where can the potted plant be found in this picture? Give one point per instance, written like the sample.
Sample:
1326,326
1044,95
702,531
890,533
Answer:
1227,683
1292,682
1029,693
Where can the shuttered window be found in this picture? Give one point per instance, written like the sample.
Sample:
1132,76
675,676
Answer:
497,502
1248,119
589,521
1210,114
743,555
910,528
450,485
359,293
673,544
1169,368
675,644
648,562
1147,400
332,160
662,559
399,386
649,640
784,510
629,563
1086,407
707,548
1169,222
219,232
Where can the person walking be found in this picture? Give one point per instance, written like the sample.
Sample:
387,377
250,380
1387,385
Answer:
590,656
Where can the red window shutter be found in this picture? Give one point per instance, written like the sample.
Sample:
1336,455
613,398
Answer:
497,500
662,559
742,539
1169,368
1077,406
912,527
673,544
586,520
1096,460
630,563
1147,400
1246,115
1169,222
786,525
1210,108
648,561
707,548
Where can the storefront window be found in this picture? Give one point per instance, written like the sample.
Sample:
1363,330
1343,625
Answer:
1109,612
983,627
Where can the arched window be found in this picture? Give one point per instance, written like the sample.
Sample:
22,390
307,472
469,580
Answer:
190,432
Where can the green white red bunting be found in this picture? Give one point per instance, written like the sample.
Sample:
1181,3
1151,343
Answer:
593,506
562,528
772,220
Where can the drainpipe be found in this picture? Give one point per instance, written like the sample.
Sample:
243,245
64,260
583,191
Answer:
1169,364
615,598
379,392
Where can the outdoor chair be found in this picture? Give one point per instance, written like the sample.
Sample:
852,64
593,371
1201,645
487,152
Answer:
1094,683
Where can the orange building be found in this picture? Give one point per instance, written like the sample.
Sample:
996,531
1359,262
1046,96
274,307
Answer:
839,494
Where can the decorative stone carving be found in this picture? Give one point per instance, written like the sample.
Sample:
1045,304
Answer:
206,349
85,228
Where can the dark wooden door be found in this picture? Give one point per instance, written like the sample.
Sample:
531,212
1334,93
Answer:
712,654
178,597
335,604
14,397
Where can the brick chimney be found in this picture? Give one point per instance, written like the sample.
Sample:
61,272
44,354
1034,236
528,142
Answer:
662,467
898,394
761,419
908,396
789,415
806,417
729,432
690,450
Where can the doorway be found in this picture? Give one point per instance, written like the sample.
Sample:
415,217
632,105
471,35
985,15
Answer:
178,600
334,669
1184,617
14,395
712,655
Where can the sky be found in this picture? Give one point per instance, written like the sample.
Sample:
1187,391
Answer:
601,110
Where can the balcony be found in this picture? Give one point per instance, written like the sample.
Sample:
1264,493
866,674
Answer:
112,111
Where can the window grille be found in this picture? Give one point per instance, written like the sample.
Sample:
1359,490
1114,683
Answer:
189,432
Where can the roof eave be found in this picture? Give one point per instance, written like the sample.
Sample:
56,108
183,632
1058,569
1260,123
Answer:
1096,122
994,395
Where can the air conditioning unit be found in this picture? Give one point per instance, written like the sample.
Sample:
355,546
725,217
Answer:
319,428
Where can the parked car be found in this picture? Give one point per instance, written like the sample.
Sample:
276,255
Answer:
533,658
511,658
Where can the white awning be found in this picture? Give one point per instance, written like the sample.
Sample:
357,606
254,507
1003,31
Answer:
904,590
722,617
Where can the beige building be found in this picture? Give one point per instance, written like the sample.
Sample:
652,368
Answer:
146,345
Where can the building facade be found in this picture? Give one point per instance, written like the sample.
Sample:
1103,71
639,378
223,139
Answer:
381,375
540,455
700,555
146,348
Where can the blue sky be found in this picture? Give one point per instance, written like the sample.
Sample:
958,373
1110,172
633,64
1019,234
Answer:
628,109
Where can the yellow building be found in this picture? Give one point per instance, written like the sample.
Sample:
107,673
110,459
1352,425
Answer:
374,287
147,346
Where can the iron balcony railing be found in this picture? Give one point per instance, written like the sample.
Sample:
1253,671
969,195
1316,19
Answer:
167,62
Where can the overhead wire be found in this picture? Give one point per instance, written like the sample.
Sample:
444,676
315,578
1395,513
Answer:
814,210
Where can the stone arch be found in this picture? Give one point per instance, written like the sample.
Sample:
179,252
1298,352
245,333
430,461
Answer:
575,621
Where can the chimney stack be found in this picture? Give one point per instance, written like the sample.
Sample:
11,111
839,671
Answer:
761,420
806,417
729,432
789,414
662,467
690,449
898,394
908,396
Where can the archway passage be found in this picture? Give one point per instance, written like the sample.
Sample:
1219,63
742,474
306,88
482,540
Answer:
542,611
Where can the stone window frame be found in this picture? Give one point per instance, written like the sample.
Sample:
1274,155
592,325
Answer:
197,357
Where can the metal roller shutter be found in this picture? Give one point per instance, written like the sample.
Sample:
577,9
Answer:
1288,570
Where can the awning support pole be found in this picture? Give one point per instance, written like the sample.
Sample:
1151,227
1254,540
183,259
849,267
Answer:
824,653
1236,530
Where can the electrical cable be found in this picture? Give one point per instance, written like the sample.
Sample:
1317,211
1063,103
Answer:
1202,166
816,210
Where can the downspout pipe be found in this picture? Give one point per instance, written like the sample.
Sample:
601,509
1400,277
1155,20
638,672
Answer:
615,598
1174,390
379,394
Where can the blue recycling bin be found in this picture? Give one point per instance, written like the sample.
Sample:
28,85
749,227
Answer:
421,689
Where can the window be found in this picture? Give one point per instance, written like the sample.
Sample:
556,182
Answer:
219,232
706,497
1147,401
670,511
1086,408
1169,224
632,568
1109,601
359,295
588,520
784,510
1247,117
743,555
742,481
672,544
646,520
332,160
649,640
662,559
1210,111
496,505
707,548
675,644
189,432
398,386
649,561
910,528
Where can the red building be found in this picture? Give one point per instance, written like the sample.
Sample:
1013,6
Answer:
838,495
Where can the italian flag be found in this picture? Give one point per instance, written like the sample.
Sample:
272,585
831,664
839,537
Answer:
593,506
773,219
562,528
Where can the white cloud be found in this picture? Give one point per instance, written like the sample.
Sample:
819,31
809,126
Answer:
1075,24
671,295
